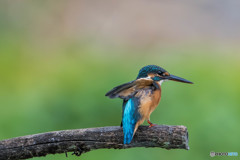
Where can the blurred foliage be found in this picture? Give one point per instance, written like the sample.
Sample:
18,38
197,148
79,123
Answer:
47,86
65,90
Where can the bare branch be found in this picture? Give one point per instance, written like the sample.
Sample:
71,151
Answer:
84,140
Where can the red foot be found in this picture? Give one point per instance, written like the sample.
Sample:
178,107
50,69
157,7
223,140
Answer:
151,124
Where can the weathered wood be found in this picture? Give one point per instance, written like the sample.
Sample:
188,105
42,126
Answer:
84,140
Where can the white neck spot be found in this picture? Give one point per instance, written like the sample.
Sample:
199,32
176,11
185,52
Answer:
161,81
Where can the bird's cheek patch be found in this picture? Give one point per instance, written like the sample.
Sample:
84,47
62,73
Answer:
166,74
151,75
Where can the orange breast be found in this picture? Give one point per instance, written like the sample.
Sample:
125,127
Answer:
148,103
156,97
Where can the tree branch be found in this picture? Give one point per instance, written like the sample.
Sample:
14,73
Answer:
84,140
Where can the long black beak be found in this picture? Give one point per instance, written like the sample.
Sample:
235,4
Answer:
178,79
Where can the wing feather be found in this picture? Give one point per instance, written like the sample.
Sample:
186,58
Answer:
127,90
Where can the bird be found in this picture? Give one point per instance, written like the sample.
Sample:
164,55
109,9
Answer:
141,97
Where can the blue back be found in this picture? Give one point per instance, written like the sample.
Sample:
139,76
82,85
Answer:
130,118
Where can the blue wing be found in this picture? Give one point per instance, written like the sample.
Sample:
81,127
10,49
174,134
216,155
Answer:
130,118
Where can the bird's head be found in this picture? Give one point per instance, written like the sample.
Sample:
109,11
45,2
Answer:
158,74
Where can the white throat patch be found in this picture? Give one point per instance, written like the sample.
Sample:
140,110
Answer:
161,81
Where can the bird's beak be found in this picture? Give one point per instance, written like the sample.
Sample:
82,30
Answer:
178,79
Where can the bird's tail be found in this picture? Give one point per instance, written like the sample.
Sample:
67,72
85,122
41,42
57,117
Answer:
129,121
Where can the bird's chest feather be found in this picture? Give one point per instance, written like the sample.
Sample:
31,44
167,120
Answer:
149,100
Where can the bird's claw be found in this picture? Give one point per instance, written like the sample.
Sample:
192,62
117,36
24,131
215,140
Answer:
151,125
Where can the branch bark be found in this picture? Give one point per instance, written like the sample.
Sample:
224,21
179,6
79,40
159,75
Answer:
84,140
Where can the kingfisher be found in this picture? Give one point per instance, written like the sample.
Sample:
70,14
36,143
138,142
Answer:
141,97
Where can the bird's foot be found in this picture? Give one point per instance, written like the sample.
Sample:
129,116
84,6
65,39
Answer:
151,124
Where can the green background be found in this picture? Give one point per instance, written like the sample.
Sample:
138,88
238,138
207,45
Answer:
53,76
